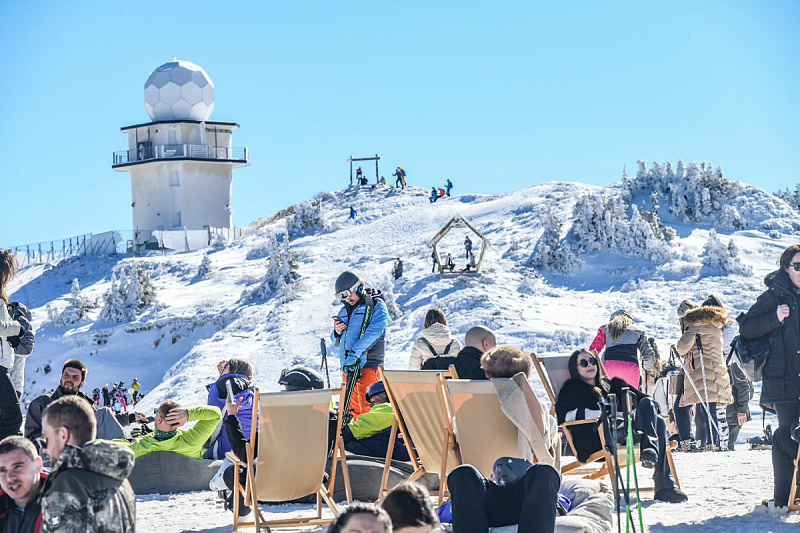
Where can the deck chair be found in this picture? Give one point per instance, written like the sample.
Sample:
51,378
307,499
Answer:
794,503
554,372
476,414
292,440
420,415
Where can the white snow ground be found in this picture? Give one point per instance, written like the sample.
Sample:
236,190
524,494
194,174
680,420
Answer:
173,349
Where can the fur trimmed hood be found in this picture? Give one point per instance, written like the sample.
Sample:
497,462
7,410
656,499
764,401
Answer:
710,315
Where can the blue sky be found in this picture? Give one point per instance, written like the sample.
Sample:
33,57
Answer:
497,96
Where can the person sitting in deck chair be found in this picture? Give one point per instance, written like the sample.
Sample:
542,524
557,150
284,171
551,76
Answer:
528,498
578,400
369,434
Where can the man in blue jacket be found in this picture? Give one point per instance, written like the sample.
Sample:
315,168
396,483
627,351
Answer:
359,330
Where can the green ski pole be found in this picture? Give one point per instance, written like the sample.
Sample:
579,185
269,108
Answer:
631,460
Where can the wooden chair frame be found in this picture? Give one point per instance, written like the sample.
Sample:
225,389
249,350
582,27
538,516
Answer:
249,490
592,468
794,502
399,424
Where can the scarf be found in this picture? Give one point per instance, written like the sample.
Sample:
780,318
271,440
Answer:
164,435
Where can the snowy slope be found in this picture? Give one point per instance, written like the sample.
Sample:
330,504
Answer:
173,348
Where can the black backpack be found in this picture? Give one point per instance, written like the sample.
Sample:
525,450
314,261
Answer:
752,354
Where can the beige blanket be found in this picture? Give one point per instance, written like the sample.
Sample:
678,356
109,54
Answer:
538,439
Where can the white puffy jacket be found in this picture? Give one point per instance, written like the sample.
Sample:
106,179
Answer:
8,328
439,336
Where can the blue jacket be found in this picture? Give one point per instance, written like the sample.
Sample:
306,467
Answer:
244,395
369,348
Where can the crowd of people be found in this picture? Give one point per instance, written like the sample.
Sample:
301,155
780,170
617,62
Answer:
68,471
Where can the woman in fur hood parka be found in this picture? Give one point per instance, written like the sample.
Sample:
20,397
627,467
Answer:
707,322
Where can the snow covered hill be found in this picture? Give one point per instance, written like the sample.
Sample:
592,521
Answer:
269,296
562,257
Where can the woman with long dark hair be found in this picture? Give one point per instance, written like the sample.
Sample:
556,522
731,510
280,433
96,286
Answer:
776,316
578,400
10,413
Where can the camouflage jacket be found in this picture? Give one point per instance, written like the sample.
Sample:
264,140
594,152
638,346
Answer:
88,490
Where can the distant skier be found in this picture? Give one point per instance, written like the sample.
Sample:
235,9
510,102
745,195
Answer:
359,175
96,396
441,193
397,272
136,386
467,245
106,397
352,213
400,181
448,186
434,195
435,261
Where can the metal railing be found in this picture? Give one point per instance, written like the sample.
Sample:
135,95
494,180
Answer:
122,242
171,151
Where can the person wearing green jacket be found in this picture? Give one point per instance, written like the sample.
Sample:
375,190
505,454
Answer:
369,433
168,437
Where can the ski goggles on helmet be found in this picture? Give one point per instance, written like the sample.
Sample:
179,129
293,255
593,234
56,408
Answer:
358,288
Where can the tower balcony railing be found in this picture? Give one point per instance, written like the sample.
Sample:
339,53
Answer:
183,151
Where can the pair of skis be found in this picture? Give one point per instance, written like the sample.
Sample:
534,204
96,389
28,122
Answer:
352,373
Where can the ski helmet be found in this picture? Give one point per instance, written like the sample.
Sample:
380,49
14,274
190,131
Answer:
300,378
348,283
375,388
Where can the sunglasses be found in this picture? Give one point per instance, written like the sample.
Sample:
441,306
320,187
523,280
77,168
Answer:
795,266
584,363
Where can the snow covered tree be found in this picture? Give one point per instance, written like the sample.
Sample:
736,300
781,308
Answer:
131,293
309,217
77,308
281,272
205,268
719,256
551,252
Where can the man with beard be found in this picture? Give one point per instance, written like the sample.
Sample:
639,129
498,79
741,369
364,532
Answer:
73,377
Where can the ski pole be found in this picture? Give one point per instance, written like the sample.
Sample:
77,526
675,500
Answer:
699,342
632,464
324,351
697,392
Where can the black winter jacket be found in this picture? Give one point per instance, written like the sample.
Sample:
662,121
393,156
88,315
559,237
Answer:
33,422
578,395
467,363
781,376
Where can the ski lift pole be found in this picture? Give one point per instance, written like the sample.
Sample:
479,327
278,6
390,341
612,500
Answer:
699,342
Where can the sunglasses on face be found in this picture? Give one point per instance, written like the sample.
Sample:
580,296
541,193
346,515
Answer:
584,363
795,266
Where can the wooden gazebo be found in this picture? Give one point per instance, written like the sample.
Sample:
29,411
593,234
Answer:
473,267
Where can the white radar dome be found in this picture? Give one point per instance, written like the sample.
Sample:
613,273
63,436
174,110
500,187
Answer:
179,90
